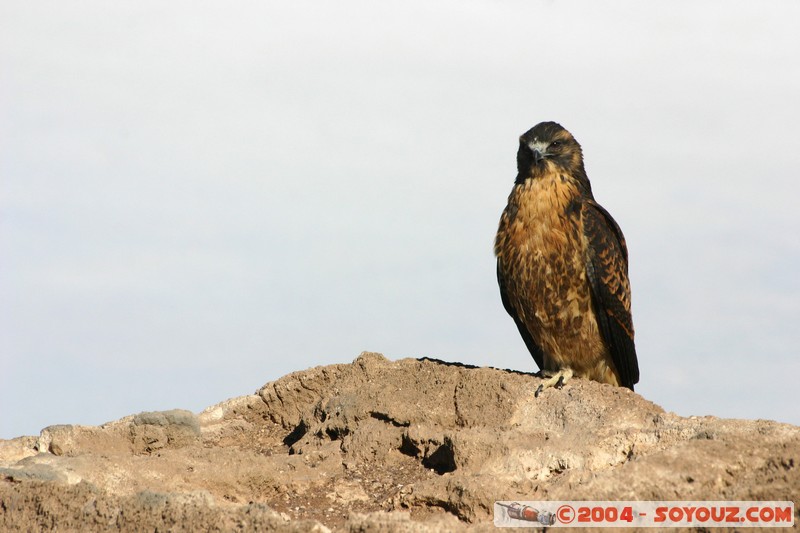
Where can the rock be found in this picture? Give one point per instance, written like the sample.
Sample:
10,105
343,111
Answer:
373,446
14,450
158,430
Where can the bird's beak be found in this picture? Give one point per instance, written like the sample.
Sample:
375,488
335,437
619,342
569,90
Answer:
539,150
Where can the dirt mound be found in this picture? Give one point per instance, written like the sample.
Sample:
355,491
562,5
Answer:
375,446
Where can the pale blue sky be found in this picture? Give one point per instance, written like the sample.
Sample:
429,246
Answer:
199,197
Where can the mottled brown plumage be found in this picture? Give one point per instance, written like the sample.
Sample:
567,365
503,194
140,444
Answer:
562,266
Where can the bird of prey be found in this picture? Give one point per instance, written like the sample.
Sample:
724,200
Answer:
562,266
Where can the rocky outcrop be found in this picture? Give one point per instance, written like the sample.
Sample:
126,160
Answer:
410,445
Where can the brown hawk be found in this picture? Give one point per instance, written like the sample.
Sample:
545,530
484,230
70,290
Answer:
562,266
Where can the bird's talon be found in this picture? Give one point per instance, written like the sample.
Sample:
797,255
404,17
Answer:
538,391
560,382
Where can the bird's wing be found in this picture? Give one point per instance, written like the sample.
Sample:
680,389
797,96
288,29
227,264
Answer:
536,351
607,271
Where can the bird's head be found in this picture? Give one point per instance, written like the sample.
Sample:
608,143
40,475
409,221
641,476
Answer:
548,147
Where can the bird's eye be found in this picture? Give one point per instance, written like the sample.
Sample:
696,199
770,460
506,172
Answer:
555,144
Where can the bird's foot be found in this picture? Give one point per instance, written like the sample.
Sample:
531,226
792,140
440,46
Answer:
557,380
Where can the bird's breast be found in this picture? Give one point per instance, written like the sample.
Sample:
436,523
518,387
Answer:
541,226
541,251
